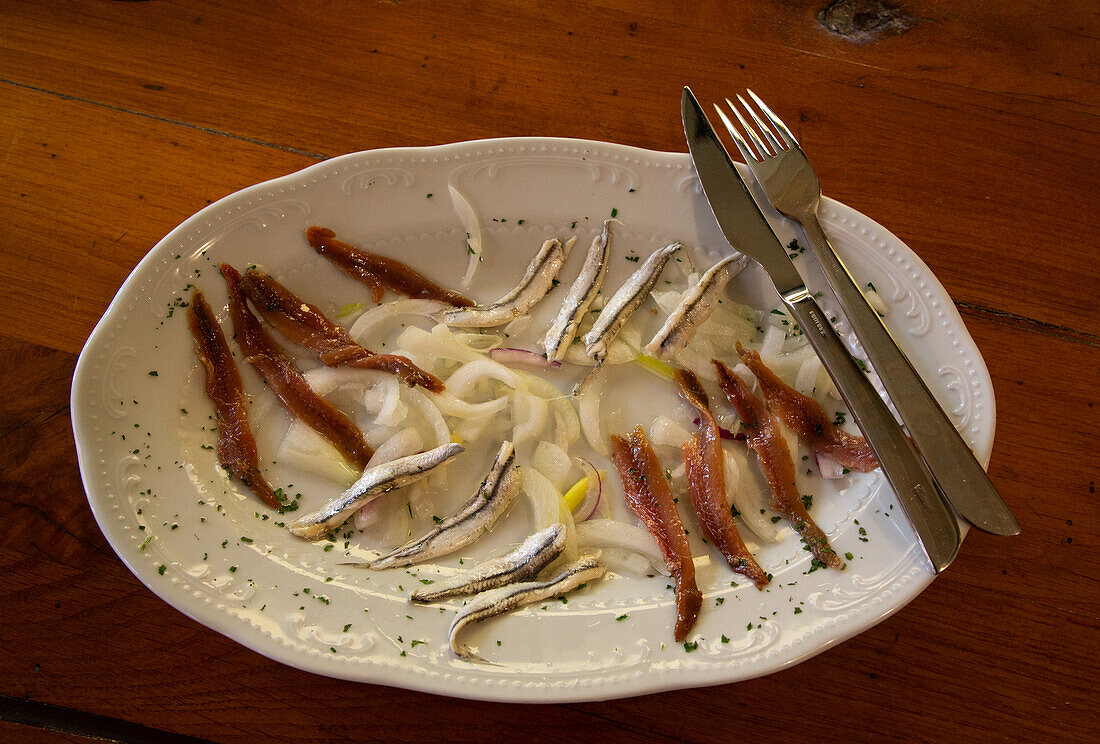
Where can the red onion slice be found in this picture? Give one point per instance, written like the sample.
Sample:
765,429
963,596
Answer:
510,355
828,467
591,502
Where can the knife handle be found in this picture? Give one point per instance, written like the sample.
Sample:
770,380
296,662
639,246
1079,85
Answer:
924,505
957,472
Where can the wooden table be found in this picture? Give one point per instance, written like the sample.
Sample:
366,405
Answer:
969,129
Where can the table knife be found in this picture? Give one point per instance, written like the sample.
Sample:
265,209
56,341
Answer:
746,229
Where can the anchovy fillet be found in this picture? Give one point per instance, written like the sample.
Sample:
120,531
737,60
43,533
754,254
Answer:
498,601
696,306
581,293
495,494
541,274
523,563
373,483
625,301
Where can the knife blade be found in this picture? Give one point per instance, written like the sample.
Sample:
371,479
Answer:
746,229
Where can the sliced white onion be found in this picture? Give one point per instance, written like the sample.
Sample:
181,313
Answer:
473,429
402,444
569,552
626,562
631,335
687,357
530,414
419,500
665,431
544,498
369,514
326,380
376,436
372,320
439,343
481,342
772,346
305,449
553,462
874,299
567,427
462,381
450,405
805,381
588,401
431,415
517,326
386,521
752,503
610,533
392,411
468,217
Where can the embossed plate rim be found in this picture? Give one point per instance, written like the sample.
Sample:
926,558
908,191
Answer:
681,672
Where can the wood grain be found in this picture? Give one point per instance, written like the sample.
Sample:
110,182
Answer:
1004,166
972,136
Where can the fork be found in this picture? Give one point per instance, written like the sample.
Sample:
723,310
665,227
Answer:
781,169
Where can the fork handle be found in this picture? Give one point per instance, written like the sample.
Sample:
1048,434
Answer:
931,517
956,470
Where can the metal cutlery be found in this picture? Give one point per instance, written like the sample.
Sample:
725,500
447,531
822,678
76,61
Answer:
788,180
749,232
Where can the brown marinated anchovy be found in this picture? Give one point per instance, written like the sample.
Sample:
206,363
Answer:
523,563
498,601
306,325
287,382
649,496
705,464
808,419
763,436
378,272
236,445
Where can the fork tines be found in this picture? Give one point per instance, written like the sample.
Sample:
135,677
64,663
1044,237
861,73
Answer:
758,150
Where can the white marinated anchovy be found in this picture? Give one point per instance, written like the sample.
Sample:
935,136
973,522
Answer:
625,301
581,293
498,601
523,563
541,274
695,307
373,483
495,494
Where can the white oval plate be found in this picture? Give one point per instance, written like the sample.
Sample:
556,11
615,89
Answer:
178,523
